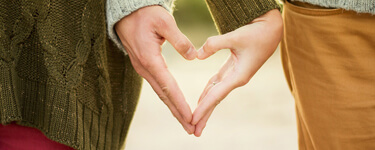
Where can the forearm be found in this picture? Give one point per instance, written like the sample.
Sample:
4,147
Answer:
118,9
232,14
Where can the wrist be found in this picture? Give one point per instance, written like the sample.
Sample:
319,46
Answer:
116,11
272,20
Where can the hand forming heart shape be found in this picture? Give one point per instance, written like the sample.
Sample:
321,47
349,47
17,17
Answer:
143,32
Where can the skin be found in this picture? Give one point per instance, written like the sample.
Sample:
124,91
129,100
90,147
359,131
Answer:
250,46
144,31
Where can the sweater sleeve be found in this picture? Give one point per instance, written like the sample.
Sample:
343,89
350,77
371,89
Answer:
118,9
232,14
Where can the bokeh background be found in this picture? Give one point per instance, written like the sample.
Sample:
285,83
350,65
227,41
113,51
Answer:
257,116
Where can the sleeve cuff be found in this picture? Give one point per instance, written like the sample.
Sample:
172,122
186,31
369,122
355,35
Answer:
232,14
118,9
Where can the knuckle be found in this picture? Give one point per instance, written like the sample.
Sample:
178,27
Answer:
166,90
178,108
162,97
215,100
145,63
162,23
139,71
209,43
242,82
138,68
218,100
164,20
235,38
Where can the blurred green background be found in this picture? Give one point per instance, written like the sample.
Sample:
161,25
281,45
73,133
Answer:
257,116
192,12
194,20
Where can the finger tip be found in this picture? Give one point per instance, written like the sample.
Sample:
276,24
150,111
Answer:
188,119
201,56
191,130
191,54
194,55
191,58
194,122
197,134
200,53
196,117
199,130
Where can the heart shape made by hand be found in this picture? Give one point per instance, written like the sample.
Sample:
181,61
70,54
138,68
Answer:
143,32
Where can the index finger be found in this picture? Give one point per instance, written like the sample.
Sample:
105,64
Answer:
213,97
170,31
159,71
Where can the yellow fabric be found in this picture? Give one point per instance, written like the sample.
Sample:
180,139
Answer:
329,61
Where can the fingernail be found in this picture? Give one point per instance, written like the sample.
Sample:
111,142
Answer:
187,129
197,135
190,54
200,52
189,132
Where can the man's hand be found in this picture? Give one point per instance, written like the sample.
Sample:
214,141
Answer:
142,33
251,45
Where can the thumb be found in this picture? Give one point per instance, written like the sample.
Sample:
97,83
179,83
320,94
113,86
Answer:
178,40
214,44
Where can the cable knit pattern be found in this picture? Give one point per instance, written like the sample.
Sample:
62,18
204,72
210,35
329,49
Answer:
225,22
360,6
61,74
118,9
232,14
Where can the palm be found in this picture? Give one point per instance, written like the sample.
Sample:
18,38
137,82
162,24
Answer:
250,47
142,33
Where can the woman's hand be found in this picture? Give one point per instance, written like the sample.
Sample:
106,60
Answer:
251,45
142,33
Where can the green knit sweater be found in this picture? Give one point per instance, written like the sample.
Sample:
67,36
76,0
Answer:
60,73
